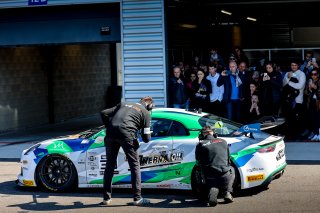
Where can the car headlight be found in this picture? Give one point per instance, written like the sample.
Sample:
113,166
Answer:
32,148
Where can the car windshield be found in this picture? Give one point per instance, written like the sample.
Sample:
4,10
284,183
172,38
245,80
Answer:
223,127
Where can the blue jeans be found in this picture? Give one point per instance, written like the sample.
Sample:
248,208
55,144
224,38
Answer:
182,106
233,110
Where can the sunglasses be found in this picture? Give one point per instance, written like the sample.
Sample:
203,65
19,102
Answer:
314,73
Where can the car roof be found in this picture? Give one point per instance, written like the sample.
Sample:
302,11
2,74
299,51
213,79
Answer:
187,118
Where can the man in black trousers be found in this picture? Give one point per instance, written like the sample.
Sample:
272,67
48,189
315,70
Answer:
122,124
212,154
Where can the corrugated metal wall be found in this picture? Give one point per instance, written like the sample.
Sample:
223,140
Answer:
143,50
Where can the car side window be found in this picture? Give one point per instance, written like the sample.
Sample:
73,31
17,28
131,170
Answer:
160,127
177,129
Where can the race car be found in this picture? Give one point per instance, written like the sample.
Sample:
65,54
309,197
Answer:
167,161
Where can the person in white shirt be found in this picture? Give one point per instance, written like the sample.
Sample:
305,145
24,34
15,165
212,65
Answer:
296,79
217,92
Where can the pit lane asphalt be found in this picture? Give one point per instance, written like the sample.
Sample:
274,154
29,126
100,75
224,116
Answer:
12,143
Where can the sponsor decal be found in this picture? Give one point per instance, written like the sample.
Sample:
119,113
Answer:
160,159
164,185
92,153
255,169
280,154
40,154
253,178
92,158
94,185
92,164
80,162
99,140
114,172
93,175
28,183
85,141
250,128
59,145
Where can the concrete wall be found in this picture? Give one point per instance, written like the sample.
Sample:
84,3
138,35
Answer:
23,87
80,76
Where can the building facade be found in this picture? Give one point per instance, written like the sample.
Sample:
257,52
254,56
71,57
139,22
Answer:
66,59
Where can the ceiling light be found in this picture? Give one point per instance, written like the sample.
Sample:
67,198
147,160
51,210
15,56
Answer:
226,12
251,19
190,26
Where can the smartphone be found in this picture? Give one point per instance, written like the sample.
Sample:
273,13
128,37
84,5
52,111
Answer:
265,74
313,59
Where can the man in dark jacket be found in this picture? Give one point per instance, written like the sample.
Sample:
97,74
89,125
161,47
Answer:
122,124
232,91
212,154
177,90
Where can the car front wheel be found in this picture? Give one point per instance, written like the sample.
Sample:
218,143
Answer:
56,173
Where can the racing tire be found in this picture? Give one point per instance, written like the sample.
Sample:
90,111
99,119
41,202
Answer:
198,184
237,181
56,173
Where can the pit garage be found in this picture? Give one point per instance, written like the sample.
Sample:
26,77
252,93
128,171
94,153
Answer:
57,62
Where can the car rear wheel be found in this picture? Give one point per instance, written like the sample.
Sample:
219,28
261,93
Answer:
56,173
198,185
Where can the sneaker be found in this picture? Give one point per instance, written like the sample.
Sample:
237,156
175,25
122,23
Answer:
311,136
228,197
315,138
106,202
141,202
213,195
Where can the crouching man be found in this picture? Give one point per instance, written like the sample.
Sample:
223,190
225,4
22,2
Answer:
212,154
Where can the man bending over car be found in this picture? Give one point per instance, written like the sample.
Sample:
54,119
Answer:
123,122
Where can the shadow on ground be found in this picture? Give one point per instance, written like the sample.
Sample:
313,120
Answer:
168,198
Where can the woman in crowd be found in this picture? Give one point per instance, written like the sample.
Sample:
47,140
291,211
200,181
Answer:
271,86
201,89
254,111
192,76
312,92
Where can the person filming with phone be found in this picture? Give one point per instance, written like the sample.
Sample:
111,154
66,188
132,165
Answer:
232,91
309,63
294,81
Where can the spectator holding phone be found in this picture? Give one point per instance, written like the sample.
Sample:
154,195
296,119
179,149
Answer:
296,80
309,63
201,89
254,112
312,92
271,86
232,91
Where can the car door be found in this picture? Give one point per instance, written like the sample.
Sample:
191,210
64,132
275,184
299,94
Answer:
155,155
183,153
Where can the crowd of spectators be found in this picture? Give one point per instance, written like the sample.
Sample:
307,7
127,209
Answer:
229,88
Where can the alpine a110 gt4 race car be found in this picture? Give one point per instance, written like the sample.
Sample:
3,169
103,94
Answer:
167,161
